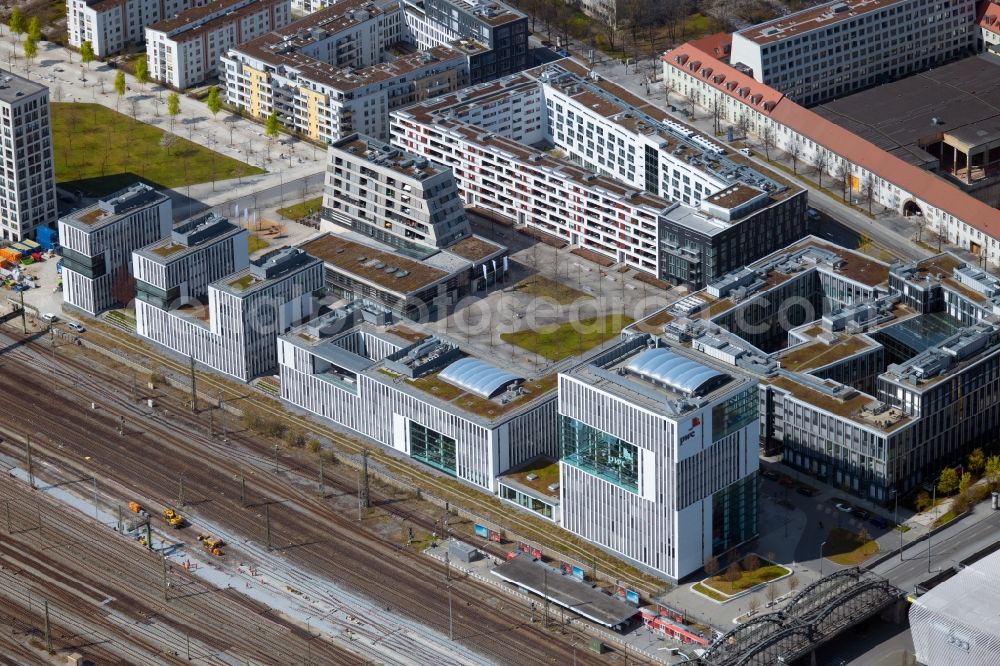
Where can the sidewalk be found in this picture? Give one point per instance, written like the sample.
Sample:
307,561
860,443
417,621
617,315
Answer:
290,159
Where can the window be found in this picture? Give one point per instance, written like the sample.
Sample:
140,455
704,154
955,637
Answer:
432,448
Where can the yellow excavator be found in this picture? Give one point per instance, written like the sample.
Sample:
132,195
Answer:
173,518
212,544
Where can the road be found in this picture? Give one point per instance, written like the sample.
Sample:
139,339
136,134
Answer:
282,194
319,549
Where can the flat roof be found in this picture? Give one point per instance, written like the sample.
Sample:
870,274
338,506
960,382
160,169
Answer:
545,472
923,331
817,353
192,18
392,157
968,599
14,88
476,248
811,19
114,207
964,97
370,264
565,590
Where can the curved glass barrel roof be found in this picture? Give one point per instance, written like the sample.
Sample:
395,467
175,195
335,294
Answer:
478,377
664,367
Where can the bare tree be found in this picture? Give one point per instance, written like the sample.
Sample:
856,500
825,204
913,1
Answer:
716,114
772,593
753,604
921,223
711,566
751,562
767,140
743,125
940,235
795,152
821,162
733,572
793,583
868,190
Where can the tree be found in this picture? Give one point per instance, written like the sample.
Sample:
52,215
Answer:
846,178
772,593
864,243
271,128
733,572
30,49
34,29
87,53
795,152
716,115
821,162
793,583
920,222
864,536
922,502
751,562
948,481
173,107
940,235
17,23
977,461
767,140
753,603
964,482
167,141
868,190
743,125
213,102
711,566
120,86
142,71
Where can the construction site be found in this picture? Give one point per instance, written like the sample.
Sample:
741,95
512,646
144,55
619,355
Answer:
141,528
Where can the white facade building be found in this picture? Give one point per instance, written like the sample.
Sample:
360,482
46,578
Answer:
423,397
236,334
98,241
110,25
184,50
27,182
392,196
659,455
892,182
627,182
835,48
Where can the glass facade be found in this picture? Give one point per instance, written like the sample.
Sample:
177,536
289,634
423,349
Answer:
433,448
735,413
527,501
599,453
734,515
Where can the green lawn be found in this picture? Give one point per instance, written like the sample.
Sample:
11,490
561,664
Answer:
944,518
99,151
847,548
559,342
255,243
300,210
747,579
708,592
540,286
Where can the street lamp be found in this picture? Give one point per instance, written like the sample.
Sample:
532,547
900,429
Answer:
821,546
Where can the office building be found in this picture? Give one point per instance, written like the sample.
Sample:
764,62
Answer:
392,196
620,179
111,25
658,455
875,379
98,241
28,192
184,50
421,285
341,69
418,393
833,49
236,331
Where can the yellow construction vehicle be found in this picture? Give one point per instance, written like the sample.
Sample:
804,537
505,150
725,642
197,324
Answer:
174,519
212,544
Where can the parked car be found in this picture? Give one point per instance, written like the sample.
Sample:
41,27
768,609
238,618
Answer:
845,507
746,152
49,317
803,490
861,513
768,474
812,214
76,327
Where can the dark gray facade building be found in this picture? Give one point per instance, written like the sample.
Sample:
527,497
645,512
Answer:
503,31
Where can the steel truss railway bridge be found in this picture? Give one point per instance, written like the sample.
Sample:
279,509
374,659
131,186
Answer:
817,614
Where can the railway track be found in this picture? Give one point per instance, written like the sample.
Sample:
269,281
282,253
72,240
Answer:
472,499
306,531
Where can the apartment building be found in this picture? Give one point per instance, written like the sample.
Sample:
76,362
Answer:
111,25
184,50
988,27
236,332
395,197
419,393
835,48
621,179
27,182
98,241
341,69
870,171
658,455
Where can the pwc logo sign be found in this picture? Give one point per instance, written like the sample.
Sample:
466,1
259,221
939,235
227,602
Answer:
692,431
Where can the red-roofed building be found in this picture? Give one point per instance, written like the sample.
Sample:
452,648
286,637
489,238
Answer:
988,20
765,112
